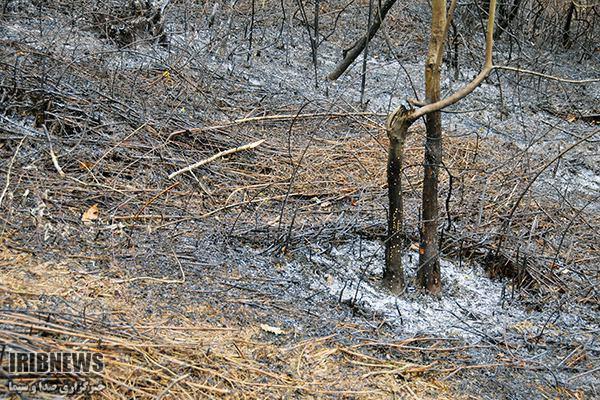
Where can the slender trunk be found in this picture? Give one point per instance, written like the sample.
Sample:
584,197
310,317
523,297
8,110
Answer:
363,80
567,29
250,35
397,127
315,42
428,274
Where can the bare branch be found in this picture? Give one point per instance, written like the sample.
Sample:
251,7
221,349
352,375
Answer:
216,156
545,76
455,97
10,165
485,71
471,86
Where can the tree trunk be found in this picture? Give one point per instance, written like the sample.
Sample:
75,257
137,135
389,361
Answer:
428,274
567,29
397,128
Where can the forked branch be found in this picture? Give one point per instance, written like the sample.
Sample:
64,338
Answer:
487,68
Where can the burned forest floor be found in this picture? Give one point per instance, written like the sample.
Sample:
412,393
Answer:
257,274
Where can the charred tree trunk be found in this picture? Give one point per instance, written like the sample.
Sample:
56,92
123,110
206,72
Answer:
397,129
566,39
428,274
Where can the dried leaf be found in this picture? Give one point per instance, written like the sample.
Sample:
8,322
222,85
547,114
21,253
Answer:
329,280
85,165
272,329
91,214
523,326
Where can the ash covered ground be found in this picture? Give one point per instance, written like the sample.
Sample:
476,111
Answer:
289,235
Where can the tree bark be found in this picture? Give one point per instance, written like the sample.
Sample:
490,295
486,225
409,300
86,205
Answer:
397,126
428,274
397,129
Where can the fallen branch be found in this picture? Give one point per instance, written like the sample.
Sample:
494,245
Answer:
55,162
271,118
216,156
155,197
53,155
10,165
353,52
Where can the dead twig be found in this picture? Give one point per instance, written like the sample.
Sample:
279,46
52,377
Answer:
10,165
217,156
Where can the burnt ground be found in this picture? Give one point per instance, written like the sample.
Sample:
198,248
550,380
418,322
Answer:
258,274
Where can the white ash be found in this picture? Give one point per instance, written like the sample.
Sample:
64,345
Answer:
471,306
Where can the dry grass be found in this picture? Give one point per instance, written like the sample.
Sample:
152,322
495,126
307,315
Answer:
150,357
166,356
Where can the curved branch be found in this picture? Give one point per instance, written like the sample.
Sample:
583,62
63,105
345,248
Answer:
454,97
487,68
